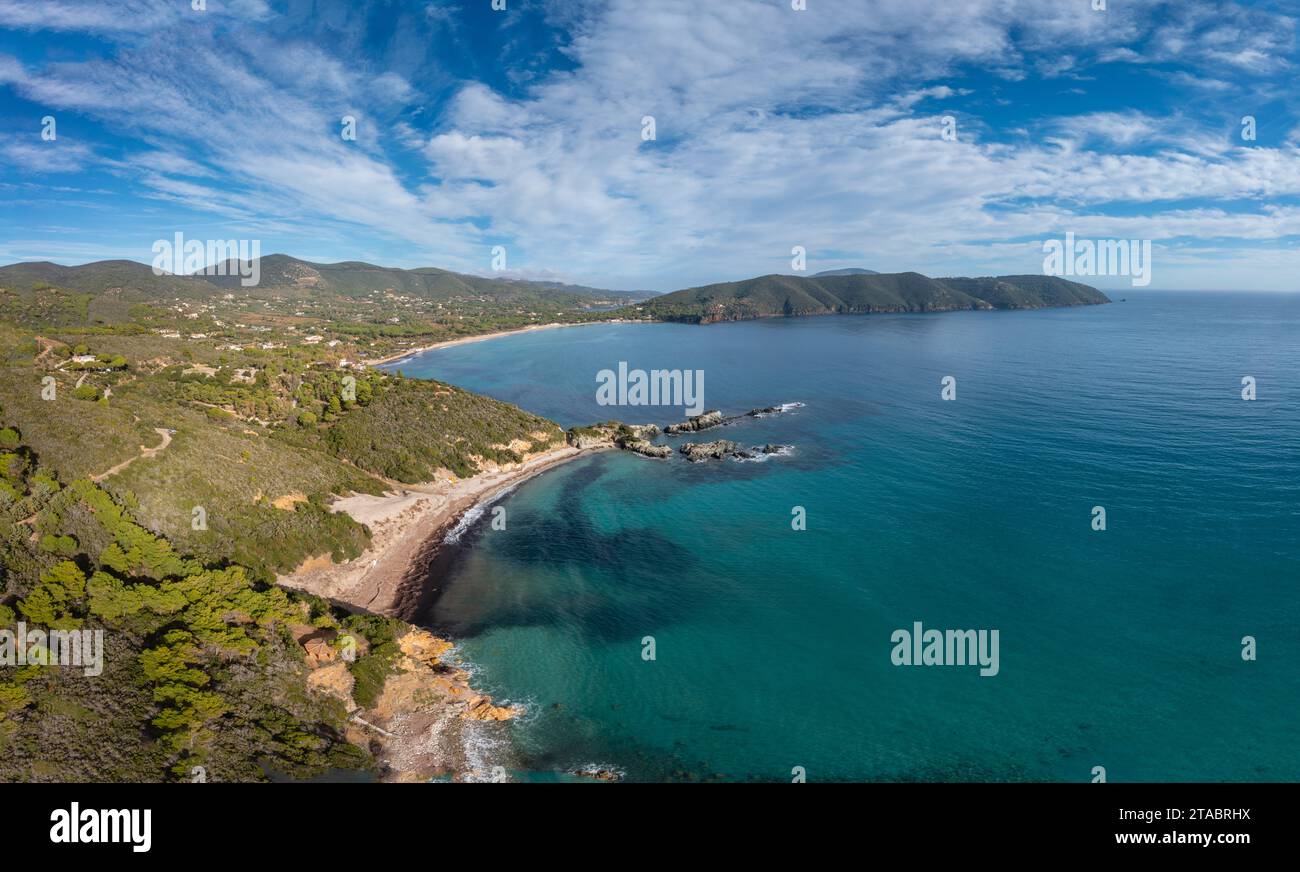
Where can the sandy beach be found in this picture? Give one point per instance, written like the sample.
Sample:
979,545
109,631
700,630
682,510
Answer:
483,337
408,525
429,721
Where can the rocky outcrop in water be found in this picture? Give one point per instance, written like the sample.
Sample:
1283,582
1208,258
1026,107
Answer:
615,434
697,452
599,773
636,437
772,410
758,452
647,449
714,418
711,418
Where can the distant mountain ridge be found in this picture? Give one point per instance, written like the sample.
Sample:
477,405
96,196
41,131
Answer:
356,277
848,271
106,291
862,293
280,272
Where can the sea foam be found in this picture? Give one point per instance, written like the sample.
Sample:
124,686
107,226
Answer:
472,516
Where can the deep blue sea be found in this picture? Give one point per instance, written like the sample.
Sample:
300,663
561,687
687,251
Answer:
1119,648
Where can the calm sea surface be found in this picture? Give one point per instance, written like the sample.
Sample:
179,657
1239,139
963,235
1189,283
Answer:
1119,648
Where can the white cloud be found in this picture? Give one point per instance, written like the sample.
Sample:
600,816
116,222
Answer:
736,179
775,128
36,155
11,70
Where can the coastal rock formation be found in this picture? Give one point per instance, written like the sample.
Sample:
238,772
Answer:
422,656
760,451
480,708
598,773
418,724
772,410
615,434
697,452
636,438
648,449
714,418
711,418
411,725
423,647
586,438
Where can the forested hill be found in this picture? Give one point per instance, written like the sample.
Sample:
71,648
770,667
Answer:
280,272
785,295
356,278
373,310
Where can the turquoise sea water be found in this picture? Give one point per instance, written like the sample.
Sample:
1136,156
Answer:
1119,648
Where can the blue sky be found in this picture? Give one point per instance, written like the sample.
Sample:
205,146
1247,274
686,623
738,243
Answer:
775,128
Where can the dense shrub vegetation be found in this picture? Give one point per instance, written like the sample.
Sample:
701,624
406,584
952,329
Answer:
198,669
409,429
167,447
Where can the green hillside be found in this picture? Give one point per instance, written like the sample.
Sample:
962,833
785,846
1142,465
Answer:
199,671
285,428
165,453
1028,292
861,293
356,278
372,311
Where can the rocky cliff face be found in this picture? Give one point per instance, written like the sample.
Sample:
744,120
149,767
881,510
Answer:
615,434
424,714
586,438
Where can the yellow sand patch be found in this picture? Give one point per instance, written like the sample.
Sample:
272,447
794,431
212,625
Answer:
288,501
312,564
519,446
335,680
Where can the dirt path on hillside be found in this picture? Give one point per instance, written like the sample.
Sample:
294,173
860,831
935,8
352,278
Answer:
144,452
47,345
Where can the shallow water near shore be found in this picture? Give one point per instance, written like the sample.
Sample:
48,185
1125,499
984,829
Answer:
772,646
